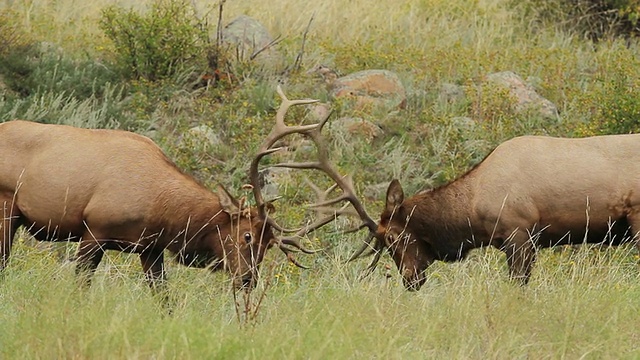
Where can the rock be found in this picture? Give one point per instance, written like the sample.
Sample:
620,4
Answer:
367,89
318,111
450,93
355,126
204,135
270,179
251,39
527,99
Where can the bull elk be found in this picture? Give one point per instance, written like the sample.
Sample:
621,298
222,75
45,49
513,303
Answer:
530,192
116,190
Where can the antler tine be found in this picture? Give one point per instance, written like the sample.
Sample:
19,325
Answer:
356,229
367,245
286,104
372,266
322,221
279,131
288,252
291,241
278,227
344,182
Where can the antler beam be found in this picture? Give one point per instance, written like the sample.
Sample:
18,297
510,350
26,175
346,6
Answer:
345,183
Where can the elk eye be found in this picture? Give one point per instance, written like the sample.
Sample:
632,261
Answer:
248,237
389,238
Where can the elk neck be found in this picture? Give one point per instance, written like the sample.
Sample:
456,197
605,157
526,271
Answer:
190,206
441,217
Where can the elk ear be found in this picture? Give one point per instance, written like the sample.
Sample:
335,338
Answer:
270,207
395,195
229,204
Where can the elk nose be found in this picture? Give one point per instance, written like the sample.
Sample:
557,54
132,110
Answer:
411,284
411,280
248,282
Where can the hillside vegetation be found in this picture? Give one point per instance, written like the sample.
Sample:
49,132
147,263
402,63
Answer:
66,62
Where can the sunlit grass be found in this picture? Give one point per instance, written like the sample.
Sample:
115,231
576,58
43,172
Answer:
579,304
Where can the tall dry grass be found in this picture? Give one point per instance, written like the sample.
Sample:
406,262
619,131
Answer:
583,304
580,304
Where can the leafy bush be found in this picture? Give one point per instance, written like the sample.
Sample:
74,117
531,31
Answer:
157,44
615,107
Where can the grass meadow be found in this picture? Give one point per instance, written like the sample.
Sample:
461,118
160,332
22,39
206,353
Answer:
581,303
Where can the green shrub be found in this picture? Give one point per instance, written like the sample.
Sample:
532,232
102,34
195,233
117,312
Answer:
594,19
157,44
615,107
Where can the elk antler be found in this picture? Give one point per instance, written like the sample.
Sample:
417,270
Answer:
345,183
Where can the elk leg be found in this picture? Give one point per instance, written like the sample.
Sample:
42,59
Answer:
88,257
521,255
634,223
8,225
153,266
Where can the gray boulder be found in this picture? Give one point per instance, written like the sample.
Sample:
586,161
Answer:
527,99
366,89
250,40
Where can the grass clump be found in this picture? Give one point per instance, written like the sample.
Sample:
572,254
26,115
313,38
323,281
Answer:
593,19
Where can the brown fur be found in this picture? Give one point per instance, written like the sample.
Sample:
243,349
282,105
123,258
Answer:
116,190
530,192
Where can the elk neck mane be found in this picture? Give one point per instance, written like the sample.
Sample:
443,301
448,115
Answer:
441,216
184,201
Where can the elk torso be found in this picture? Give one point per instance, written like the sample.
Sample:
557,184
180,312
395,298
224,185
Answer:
565,190
116,190
530,192
123,186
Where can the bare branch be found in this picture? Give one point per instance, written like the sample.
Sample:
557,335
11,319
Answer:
272,43
298,62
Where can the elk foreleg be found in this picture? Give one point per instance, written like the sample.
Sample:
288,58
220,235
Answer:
634,221
88,257
8,226
521,255
153,265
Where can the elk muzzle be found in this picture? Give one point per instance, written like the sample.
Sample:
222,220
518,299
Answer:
412,279
245,281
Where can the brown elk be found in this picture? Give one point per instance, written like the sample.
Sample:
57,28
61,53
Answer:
116,190
530,192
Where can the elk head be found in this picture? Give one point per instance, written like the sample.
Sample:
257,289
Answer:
411,255
236,243
247,241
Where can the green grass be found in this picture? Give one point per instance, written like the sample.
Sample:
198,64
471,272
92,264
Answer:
582,304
